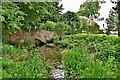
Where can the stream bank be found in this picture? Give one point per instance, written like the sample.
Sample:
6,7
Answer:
43,40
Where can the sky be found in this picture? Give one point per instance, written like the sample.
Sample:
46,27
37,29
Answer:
74,5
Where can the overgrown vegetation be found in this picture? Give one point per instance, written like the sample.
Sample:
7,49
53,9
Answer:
21,63
90,55
79,64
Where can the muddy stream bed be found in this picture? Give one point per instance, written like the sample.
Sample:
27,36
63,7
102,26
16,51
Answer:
53,59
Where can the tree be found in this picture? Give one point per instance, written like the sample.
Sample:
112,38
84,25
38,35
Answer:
117,8
112,20
39,12
73,20
95,28
11,17
89,8
84,24
60,29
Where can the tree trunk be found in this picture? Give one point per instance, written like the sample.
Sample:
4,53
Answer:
118,7
119,29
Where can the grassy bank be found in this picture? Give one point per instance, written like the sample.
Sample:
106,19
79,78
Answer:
21,63
91,56
83,56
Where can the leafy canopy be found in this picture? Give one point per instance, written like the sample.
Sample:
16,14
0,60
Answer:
89,8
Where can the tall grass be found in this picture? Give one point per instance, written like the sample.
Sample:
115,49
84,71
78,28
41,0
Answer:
21,63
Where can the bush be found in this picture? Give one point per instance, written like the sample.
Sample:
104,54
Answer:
64,43
27,43
106,49
100,32
60,29
49,25
101,55
79,64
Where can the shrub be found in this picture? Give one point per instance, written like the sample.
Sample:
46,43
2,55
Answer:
64,43
100,32
27,43
101,45
49,25
101,55
106,49
60,29
79,64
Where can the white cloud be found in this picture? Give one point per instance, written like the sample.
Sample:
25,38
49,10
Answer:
105,8
74,5
71,5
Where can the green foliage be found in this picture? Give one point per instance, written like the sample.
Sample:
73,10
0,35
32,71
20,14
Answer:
94,28
0,67
107,32
49,25
5,40
27,15
93,37
85,26
91,56
72,20
100,32
112,20
14,53
60,29
39,12
106,49
33,68
11,17
70,16
20,63
25,43
79,64
64,43
89,8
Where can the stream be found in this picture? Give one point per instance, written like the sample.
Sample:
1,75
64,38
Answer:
53,56
58,72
